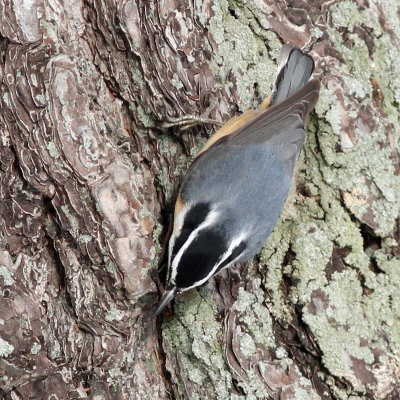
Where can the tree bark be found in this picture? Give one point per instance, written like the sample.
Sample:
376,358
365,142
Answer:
87,187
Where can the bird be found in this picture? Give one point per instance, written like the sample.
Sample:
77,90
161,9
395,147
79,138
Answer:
234,191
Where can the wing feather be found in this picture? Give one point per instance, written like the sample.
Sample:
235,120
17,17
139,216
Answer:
280,128
282,122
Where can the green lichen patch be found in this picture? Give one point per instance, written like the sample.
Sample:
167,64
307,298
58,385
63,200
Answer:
271,258
5,348
351,311
7,276
241,55
113,315
193,336
53,151
35,348
252,313
352,329
346,290
304,394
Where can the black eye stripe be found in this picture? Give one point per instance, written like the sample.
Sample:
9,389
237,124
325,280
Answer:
200,257
193,218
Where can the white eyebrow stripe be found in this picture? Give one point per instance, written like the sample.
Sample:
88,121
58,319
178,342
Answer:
233,245
210,219
178,225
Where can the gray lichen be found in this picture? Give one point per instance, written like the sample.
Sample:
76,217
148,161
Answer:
351,309
7,276
5,348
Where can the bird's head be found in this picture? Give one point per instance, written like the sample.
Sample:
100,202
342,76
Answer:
200,246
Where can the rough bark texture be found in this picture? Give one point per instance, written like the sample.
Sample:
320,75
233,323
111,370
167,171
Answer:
87,181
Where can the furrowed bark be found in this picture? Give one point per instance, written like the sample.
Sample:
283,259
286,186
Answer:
87,182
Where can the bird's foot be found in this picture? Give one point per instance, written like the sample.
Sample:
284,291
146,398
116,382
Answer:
189,121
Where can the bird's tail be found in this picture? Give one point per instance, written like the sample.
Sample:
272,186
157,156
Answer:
295,70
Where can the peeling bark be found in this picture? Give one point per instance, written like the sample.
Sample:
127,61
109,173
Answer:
87,179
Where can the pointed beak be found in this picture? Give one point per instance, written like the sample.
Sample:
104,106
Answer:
165,299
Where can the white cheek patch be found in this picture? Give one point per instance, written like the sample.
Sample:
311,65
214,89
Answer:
211,218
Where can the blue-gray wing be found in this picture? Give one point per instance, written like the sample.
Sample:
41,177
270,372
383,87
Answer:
275,136
282,124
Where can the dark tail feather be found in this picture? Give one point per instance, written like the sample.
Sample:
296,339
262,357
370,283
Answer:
294,72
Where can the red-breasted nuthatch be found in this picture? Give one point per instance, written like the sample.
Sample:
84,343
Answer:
235,190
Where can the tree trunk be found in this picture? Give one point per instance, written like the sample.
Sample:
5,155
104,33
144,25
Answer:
87,187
